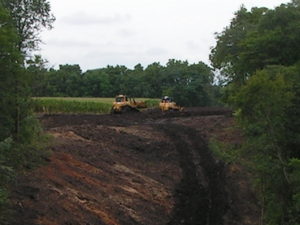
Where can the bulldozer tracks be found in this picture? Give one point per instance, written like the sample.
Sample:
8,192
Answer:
200,196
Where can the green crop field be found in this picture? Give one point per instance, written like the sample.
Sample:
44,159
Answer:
79,105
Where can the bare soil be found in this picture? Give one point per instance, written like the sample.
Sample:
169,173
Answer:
147,168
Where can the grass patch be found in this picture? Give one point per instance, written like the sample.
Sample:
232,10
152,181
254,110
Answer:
152,103
80,99
51,105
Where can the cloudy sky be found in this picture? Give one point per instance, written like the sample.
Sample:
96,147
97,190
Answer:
97,33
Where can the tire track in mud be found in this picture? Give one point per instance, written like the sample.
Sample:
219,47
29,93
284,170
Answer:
201,198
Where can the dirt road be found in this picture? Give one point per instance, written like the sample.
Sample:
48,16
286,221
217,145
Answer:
144,168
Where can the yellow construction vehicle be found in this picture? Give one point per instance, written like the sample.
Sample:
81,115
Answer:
124,103
167,104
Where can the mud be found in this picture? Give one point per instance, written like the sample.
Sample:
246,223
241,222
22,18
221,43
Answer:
148,168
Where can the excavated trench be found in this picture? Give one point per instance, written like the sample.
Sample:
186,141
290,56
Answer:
146,169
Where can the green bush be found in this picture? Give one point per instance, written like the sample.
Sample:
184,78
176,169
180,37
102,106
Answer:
6,176
3,206
17,156
225,152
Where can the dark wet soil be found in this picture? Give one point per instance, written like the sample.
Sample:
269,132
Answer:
147,168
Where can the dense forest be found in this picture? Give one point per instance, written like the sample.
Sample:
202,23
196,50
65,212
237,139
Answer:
189,84
257,57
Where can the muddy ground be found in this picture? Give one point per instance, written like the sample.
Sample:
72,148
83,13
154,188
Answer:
148,168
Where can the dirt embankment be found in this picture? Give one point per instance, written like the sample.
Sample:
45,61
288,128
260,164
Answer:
148,168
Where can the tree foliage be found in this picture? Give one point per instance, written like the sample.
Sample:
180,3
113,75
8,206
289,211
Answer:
188,84
29,17
258,38
266,106
259,54
20,23
9,72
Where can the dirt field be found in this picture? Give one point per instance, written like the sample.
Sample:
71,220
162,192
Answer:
144,168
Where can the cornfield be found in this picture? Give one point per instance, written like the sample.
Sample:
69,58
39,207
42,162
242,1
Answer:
52,105
61,105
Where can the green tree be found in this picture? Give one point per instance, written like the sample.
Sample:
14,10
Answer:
18,128
226,54
9,72
265,103
70,79
132,83
189,85
116,75
10,60
29,18
153,80
39,76
259,55
96,84
258,38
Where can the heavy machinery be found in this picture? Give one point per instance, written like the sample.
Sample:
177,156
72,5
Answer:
124,103
167,104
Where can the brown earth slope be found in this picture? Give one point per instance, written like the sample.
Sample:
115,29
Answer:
144,168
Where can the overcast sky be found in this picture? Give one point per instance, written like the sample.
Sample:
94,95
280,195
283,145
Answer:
97,33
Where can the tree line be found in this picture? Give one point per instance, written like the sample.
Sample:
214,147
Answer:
20,135
189,84
258,55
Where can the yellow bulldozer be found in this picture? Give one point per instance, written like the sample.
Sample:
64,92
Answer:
167,104
124,104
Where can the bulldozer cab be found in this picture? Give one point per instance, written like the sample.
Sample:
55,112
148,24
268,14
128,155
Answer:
121,98
166,99
167,104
